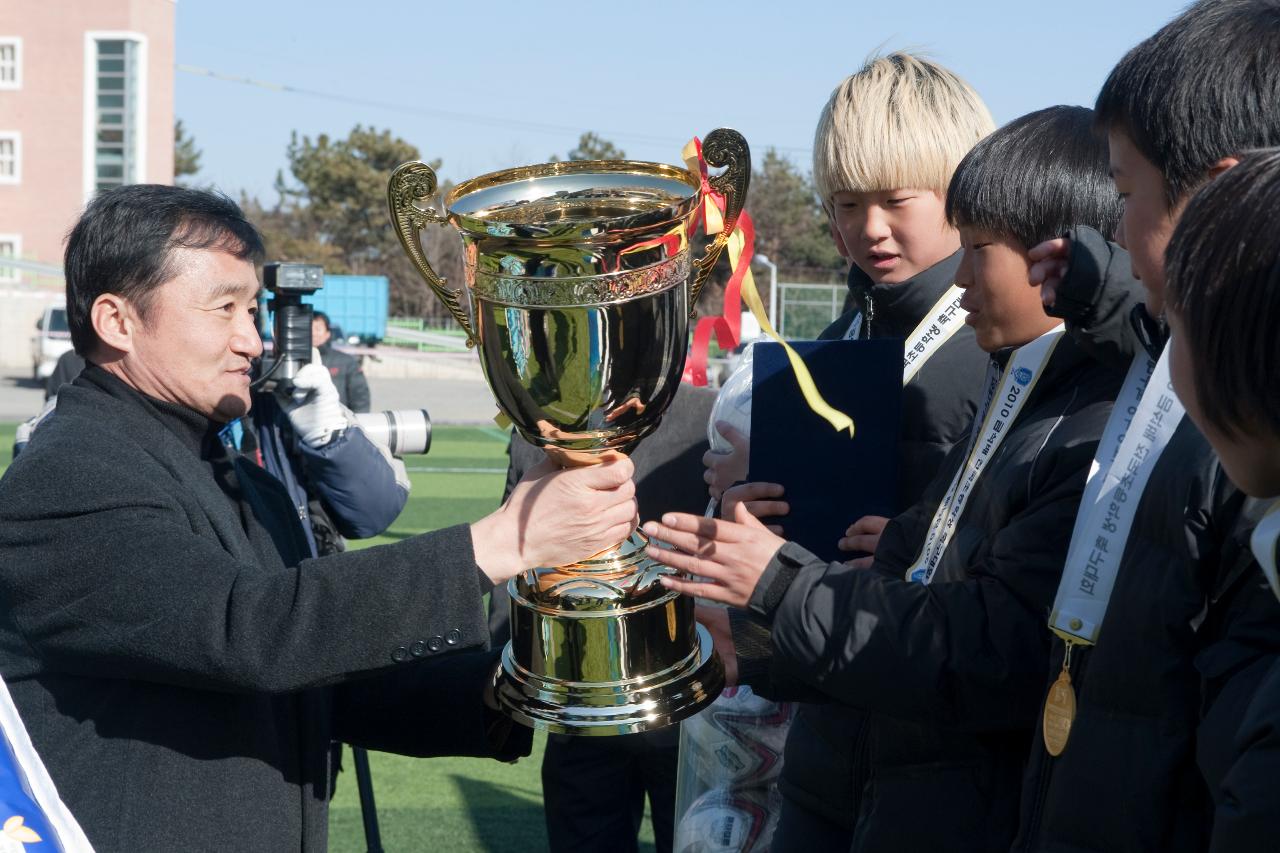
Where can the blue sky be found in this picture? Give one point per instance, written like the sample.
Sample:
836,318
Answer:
488,85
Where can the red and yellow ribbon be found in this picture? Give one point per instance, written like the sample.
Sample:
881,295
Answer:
727,326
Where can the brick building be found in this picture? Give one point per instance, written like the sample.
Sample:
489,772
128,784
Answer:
86,103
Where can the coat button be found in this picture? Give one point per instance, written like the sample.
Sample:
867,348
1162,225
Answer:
453,637
435,643
400,655
418,649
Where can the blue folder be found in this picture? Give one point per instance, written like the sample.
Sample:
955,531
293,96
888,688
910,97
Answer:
831,480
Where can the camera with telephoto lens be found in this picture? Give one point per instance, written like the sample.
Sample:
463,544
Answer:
404,431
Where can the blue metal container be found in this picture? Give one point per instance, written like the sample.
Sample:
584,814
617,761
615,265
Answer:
356,305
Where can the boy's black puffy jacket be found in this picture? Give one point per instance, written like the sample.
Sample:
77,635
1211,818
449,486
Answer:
1128,779
1238,739
951,674
824,768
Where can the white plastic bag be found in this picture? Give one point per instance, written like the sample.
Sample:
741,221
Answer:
731,753
730,759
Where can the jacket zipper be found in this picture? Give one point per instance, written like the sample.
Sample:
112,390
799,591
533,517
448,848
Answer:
1046,776
861,765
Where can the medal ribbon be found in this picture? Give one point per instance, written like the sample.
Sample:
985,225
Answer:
1007,392
937,326
741,286
942,321
1263,545
1144,418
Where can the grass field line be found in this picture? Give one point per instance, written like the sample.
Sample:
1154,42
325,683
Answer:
429,470
497,433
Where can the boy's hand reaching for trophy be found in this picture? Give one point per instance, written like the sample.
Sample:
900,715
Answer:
728,557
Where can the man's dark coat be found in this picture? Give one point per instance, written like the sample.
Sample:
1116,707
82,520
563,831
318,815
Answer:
181,685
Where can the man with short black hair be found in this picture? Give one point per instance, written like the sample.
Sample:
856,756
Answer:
180,661
348,377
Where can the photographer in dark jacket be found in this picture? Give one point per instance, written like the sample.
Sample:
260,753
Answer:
941,639
180,662
348,378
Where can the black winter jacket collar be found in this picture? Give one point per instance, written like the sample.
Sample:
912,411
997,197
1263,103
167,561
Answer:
893,310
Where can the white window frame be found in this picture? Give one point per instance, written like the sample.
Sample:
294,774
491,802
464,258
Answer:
90,142
16,43
16,137
16,240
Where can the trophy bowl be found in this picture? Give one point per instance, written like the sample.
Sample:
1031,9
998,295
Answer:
580,280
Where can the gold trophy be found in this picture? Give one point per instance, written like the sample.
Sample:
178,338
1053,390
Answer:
581,283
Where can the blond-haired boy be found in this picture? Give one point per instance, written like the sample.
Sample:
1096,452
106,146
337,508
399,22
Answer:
885,148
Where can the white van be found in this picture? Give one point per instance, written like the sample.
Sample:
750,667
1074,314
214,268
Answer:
51,340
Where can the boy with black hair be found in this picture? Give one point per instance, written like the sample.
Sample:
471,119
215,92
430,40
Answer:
941,639
1223,295
1156,605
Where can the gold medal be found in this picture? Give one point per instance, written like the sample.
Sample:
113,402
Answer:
1060,709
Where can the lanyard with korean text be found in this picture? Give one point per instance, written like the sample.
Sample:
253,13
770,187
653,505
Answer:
1007,392
1263,544
1144,419
940,322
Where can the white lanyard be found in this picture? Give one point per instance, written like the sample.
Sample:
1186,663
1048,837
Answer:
942,321
1145,416
1263,544
1007,392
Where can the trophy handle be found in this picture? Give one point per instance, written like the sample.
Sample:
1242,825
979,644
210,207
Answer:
727,148
410,183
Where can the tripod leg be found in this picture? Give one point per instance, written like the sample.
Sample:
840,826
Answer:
368,810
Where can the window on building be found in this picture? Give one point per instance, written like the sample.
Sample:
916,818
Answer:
10,62
10,157
117,142
10,247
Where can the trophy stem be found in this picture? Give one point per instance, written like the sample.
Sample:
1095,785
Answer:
602,648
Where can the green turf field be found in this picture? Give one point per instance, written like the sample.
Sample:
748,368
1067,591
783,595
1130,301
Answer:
444,804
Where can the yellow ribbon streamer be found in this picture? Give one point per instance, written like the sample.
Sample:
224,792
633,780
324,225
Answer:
691,155
838,419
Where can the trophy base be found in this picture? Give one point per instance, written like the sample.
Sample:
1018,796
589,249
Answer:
623,708
602,648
